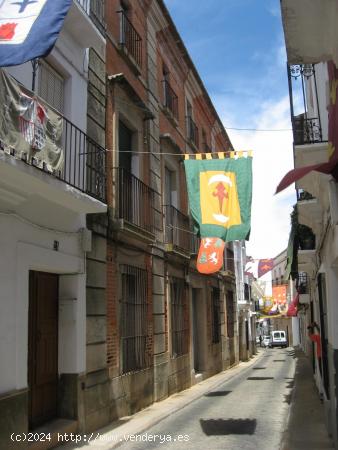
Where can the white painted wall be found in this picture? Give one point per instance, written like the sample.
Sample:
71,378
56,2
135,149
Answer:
25,247
71,61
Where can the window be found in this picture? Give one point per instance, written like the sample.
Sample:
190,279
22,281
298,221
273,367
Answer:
133,318
229,260
246,292
205,145
230,314
170,99
179,322
51,86
170,188
215,316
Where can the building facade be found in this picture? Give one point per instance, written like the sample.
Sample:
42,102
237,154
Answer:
245,304
44,234
311,56
184,324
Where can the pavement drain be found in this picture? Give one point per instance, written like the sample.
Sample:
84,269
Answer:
260,378
258,368
217,394
221,427
279,360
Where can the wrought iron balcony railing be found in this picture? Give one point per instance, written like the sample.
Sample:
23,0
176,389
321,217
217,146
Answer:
302,283
170,99
303,195
95,10
130,40
307,126
306,131
84,162
192,131
135,201
177,228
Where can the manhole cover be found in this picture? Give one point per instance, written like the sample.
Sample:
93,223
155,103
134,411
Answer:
222,427
217,394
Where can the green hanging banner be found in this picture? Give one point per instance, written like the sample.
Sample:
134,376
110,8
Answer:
220,193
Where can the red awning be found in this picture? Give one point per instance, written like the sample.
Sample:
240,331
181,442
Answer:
296,174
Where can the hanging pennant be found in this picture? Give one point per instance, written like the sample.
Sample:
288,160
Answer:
220,192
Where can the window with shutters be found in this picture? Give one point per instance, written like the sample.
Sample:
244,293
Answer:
51,86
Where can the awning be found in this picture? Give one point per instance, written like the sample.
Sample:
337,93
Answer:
328,168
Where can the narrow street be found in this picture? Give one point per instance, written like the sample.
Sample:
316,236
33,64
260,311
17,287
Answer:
247,412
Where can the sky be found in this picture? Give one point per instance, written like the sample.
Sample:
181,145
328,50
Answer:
238,49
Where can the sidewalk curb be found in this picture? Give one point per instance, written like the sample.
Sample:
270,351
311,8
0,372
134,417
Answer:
111,437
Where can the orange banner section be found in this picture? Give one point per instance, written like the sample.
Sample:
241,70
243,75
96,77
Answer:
210,255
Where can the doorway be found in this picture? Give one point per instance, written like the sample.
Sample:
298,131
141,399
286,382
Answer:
42,347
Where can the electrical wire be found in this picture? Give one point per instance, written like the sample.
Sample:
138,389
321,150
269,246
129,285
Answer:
258,129
227,152
120,100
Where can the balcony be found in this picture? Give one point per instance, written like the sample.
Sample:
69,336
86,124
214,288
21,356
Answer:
135,205
177,235
309,137
130,41
95,10
85,22
79,184
310,211
170,99
192,132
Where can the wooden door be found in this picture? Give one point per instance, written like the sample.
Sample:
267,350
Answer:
43,347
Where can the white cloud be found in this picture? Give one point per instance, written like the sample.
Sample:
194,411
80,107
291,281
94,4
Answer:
273,157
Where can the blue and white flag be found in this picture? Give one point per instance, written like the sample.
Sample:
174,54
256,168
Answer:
29,28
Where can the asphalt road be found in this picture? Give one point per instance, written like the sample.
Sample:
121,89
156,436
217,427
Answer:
247,412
